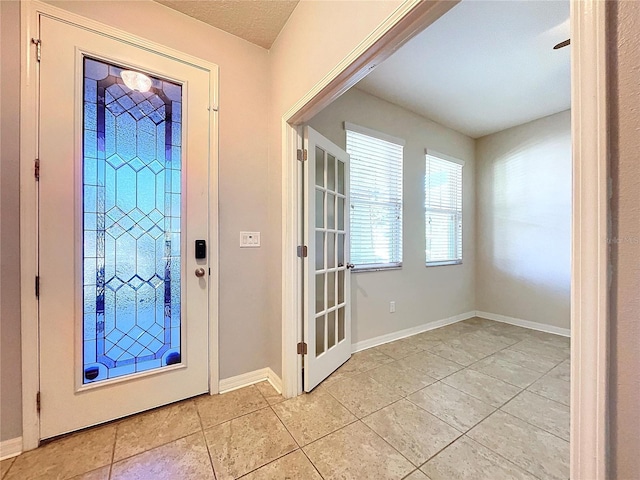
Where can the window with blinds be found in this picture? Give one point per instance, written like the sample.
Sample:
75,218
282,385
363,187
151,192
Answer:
376,198
443,210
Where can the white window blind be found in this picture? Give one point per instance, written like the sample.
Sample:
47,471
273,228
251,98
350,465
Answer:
376,199
443,211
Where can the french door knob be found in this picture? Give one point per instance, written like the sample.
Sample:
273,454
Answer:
200,272
350,265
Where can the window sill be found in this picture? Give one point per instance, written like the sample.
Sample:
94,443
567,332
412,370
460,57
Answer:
377,268
442,264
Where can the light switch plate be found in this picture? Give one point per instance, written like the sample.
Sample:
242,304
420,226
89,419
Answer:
249,239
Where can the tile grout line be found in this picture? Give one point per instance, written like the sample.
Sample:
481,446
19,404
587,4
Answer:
406,397
285,427
358,419
311,461
204,437
6,474
392,447
500,455
473,396
113,452
329,433
528,422
300,447
463,432
153,448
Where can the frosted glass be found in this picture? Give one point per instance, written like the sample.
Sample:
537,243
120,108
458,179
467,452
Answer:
320,335
331,211
331,329
331,289
331,172
320,293
319,209
331,250
319,251
341,242
319,167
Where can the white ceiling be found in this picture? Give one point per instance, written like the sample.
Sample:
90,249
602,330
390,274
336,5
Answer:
258,21
483,67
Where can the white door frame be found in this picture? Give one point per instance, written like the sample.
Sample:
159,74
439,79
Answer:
30,11
589,293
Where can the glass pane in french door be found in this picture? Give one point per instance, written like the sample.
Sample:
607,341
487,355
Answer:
131,223
330,247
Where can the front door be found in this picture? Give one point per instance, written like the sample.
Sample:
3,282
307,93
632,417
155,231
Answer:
125,154
327,286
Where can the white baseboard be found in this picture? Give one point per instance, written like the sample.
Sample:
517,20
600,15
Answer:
249,378
390,337
10,448
274,380
542,327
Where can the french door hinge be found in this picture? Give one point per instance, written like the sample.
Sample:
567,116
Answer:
302,155
38,44
302,348
302,251
37,286
38,405
36,169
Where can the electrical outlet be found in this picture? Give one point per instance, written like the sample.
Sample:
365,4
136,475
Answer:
249,239
392,307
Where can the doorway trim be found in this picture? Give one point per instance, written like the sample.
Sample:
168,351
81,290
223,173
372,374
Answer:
30,11
589,278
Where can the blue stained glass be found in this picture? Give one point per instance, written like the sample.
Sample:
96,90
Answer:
131,204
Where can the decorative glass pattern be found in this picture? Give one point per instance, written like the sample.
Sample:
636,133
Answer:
131,224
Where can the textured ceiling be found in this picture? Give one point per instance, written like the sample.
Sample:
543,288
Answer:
258,21
483,67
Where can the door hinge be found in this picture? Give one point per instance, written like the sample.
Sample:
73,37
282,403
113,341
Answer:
38,405
302,155
38,44
302,251
302,348
37,286
36,169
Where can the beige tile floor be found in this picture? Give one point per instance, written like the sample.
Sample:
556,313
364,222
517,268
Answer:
473,400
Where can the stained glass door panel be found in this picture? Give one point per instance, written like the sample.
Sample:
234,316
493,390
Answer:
327,290
132,212
127,158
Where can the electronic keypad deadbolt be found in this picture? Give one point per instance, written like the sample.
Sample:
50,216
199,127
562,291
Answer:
201,249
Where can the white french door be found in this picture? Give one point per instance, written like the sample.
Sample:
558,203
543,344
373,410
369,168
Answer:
123,213
327,286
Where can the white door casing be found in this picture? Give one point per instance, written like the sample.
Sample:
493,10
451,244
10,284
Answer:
327,288
67,403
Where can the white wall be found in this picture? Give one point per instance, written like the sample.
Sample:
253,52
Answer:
524,221
316,38
10,360
624,383
422,294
